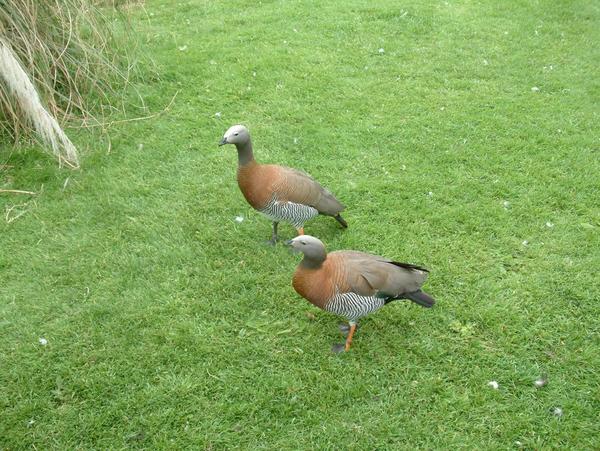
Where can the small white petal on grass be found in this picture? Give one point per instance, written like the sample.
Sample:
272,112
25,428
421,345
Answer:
518,444
506,204
430,193
525,243
535,89
140,146
295,140
381,51
549,225
403,167
218,114
294,30
494,385
43,341
540,382
486,62
183,48
239,218
254,74
557,412
30,423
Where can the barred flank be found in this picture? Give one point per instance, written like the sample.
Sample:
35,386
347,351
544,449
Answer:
353,306
295,214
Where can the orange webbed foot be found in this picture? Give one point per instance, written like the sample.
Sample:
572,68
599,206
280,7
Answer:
349,338
345,329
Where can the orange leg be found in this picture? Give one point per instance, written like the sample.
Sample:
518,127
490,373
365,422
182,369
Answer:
350,334
300,231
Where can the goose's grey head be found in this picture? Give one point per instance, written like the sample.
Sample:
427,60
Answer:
312,248
238,134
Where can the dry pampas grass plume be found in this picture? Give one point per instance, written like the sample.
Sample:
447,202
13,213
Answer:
28,99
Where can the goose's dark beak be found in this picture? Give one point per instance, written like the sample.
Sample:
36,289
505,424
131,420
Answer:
223,141
288,242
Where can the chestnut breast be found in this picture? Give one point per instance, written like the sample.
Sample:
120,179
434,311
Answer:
256,182
319,285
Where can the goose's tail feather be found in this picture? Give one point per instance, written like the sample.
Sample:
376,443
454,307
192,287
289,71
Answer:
421,298
341,220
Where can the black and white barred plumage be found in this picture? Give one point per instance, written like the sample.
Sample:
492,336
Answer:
295,214
353,306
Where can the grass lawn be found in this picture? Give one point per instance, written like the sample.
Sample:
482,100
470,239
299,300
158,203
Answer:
462,136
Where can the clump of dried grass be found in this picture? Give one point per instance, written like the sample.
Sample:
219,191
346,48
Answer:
60,60
22,90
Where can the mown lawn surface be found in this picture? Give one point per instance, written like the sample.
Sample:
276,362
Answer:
461,135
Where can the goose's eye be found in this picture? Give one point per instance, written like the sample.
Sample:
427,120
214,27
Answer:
236,134
303,242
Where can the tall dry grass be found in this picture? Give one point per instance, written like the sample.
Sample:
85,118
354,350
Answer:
62,60
21,89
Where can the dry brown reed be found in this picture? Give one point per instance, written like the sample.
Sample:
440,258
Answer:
62,60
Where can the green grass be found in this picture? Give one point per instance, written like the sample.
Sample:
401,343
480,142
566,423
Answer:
170,325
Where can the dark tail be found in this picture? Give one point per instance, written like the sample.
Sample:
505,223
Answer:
341,220
421,298
409,266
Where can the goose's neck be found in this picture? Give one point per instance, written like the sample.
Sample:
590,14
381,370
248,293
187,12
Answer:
313,262
245,155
